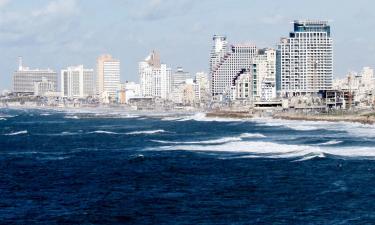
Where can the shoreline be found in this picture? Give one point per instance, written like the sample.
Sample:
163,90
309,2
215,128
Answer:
368,118
363,119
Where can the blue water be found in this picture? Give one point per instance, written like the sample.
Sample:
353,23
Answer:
113,167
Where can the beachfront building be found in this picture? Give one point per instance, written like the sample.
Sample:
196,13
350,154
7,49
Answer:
77,82
264,67
155,77
203,84
41,88
108,77
179,77
243,86
24,78
305,59
225,64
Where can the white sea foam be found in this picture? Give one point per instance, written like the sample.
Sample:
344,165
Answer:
3,119
331,142
102,132
200,117
215,141
251,135
17,133
354,129
146,132
275,150
72,117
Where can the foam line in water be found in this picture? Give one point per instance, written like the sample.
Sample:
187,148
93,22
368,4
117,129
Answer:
276,150
102,132
146,132
17,133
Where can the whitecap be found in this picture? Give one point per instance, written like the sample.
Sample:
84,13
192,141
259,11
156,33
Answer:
72,117
17,133
102,132
3,119
252,135
274,150
146,132
331,142
215,141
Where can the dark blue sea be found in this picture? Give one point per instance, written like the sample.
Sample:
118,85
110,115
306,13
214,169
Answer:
114,167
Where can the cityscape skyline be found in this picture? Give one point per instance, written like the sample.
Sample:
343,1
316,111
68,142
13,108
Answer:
190,49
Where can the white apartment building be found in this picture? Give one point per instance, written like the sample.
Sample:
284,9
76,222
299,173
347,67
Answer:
77,82
179,77
44,86
224,67
155,78
264,65
305,59
108,76
243,87
24,78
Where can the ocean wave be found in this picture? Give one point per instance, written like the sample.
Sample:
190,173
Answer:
3,119
102,132
311,156
275,150
17,133
354,129
201,117
72,117
215,141
251,135
331,142
146,132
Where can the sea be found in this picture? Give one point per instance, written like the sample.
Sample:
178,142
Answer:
87,166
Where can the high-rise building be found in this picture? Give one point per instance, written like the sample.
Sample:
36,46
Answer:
179,77
305,59
155,78
226,65
77,82
41,88
264,68
108,76
24,78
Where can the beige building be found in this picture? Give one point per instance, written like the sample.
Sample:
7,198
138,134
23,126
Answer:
108,76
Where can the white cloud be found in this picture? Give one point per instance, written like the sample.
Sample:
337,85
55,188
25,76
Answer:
58,7
45,25
4,3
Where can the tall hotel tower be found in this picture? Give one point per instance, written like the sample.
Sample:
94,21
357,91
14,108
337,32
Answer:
305,59
77,82
108,75
24,78
226,64
155,77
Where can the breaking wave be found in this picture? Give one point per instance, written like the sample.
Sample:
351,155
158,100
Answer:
146,132
102,132
17,133
273,150
215,141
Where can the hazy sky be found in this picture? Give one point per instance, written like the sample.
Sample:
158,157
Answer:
60,33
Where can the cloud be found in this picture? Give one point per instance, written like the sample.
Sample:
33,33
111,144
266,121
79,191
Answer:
59,7
3,3
44,25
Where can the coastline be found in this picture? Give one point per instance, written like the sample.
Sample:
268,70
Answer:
363,119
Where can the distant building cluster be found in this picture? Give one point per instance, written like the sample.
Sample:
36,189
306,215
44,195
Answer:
298,73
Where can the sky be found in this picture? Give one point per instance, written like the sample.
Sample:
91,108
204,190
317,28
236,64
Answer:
59,33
